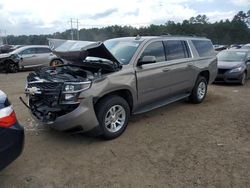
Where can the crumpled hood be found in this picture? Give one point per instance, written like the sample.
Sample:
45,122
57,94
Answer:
78,50
229,64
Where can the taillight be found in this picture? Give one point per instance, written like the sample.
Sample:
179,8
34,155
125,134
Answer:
7,117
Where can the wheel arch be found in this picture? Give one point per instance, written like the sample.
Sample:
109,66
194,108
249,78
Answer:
205,74
124,93
58,59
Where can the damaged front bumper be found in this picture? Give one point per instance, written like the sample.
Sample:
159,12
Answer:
81,117
47,106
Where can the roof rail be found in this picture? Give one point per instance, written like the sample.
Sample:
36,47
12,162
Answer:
166,34
186,35
138,37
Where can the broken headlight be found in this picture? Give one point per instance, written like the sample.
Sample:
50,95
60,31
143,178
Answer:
71,90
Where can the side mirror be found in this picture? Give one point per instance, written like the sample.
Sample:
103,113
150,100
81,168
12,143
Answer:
146,60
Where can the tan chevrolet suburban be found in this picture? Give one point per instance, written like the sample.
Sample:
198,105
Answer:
104,83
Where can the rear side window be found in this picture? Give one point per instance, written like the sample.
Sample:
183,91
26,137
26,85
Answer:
155,49
42,50
204,47
28,51
176,49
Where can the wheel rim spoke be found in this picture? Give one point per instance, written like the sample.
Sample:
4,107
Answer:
115,118
201,90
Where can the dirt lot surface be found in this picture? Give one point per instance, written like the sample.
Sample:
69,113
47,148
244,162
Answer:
181,145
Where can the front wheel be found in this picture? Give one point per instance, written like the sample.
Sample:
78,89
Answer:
113,113
12,67
199,91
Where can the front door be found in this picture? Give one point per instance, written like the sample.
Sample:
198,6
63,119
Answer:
152,78
28,56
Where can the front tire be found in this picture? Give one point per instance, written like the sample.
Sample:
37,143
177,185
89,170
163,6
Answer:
199,91
113,113
12,67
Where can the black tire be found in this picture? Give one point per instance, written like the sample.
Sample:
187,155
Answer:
56,62
195,96
103,108
243,79
12,67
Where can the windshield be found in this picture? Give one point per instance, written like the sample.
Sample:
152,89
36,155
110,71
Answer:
122,50
231,56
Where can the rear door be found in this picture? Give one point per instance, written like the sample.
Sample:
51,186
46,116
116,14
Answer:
42,55
179,64
152,79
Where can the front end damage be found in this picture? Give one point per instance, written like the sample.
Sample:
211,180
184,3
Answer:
54,92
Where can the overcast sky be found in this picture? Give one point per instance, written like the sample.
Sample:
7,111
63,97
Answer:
48,16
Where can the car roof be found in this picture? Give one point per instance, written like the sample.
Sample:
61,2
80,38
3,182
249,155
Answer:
34,46
29,46
146,38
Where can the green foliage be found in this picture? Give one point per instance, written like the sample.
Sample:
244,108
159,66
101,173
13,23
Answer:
222,32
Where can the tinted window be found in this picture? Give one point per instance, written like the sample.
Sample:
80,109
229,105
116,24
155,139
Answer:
42,50
28,51
176,49
204,47
155,49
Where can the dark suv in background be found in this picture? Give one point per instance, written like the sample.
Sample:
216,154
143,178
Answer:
108,81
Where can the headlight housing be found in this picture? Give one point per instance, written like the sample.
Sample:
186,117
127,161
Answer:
238,69
71,90
75,87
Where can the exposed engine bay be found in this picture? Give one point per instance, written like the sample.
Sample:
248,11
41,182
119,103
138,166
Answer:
54,91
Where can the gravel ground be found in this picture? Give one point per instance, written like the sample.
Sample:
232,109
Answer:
180,145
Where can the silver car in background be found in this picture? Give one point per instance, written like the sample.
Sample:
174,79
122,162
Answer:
33,56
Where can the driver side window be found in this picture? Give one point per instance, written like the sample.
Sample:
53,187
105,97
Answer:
155,49
28,51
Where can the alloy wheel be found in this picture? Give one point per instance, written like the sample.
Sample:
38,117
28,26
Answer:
115,118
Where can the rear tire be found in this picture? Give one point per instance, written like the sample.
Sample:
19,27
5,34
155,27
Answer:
113,113
56,62
199,91
12,67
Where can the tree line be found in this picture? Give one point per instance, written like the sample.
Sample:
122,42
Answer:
235,31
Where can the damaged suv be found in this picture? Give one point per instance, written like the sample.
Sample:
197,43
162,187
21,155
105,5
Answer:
105,82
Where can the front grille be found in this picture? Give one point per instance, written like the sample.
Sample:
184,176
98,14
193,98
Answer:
222,71
47,92
46,85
